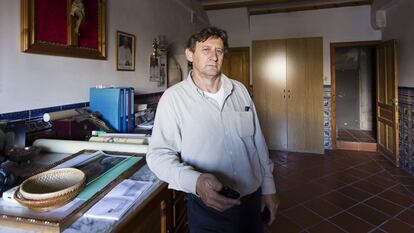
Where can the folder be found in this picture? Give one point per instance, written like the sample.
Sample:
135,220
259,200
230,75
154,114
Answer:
107,101
116,106
128,109
123,115
131,120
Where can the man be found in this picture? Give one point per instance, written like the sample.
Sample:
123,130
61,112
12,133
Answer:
206,136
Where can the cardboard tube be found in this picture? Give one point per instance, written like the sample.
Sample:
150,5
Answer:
70,146
59,115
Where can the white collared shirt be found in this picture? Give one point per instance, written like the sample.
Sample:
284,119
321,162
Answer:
193,135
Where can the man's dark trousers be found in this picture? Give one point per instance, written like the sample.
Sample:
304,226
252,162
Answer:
244,218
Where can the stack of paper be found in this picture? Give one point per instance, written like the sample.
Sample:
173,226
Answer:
117,202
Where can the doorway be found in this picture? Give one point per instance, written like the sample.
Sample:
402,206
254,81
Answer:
353,69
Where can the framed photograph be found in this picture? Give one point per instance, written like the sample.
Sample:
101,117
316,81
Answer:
125,51
75,28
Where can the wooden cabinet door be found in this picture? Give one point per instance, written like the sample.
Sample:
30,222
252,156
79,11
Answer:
154,217
180,224
305,94
269,90
387,102
236,65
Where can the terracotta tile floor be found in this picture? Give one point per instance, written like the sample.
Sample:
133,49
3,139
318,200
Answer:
342,191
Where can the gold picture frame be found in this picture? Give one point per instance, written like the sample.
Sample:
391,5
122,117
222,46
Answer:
36,36
125,51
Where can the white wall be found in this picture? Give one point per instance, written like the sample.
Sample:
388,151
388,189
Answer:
29,81
334,25
235,22
366,85
399,16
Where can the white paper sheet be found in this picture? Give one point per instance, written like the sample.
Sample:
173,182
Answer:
118,201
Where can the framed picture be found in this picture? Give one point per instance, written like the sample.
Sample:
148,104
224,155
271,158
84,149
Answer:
174,72
75,28
125,51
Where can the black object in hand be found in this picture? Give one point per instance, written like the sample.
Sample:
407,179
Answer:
229,192
265,215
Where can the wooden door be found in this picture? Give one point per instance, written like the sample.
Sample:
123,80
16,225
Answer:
387,102
269,90
236,65
305,94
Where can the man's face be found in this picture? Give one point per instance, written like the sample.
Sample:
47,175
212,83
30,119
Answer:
207,57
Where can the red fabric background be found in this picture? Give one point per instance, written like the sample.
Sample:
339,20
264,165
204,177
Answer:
52,21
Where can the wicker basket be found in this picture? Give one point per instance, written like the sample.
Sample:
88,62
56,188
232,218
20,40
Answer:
47,204
52,184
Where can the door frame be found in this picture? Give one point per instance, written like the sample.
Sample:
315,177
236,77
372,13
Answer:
334,46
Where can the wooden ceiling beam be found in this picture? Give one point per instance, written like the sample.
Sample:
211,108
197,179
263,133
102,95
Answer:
238,4
271,6
310,7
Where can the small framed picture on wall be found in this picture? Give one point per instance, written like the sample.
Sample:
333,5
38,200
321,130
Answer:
125,51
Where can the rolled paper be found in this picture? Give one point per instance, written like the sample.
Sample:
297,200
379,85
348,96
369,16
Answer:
59,115
72,146
119,140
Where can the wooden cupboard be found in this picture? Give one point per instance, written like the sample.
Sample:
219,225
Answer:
180,224
155,215
165,211
288,92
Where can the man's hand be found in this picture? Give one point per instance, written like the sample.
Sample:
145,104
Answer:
207,188
271,201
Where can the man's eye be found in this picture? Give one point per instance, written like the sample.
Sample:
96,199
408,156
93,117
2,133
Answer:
220,51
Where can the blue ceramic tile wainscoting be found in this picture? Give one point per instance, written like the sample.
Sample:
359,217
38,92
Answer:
406,129
327,127
36,114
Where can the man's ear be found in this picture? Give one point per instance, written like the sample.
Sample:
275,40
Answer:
189,55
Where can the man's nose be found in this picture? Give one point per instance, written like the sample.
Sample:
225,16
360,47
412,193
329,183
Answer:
213,56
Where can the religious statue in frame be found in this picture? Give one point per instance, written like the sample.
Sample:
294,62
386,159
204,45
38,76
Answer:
75,28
